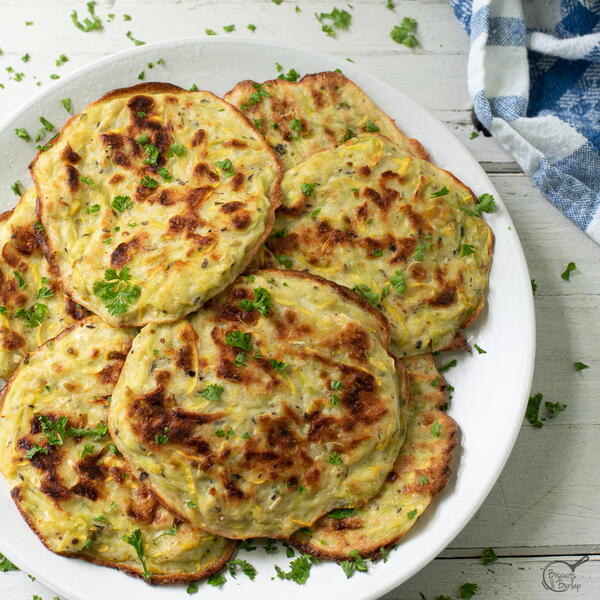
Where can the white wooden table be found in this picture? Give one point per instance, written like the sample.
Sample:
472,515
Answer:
545,505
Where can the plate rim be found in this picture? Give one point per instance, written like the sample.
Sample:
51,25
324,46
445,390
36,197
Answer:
377,589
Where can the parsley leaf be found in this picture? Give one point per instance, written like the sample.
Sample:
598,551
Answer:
554,408
579,366
161,438
170,531
410,515
97,433
436,429
45,292
33,451
16,188
135,540
405,33
356,564
398,281
533,409
466,250
308,188
467,590
367,293
122,203
226,167
291,75
148,182
116,291
6,565
299,569
88,24
33,316
53,430
448,366
348,134
334,458
340,19
22,133
216,580
192,588
419,253
479,349
176,150
19,278
370,127
244,566
566,274
484,204
336,385
284,261
136,42
278,365
213,392
342,513
488,556
238,339
262,302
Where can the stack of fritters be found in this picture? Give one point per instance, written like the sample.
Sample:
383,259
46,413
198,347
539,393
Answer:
292,260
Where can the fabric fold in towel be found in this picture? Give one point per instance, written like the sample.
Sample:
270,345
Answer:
534,76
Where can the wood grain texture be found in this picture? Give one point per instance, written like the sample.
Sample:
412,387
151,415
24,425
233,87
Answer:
546,502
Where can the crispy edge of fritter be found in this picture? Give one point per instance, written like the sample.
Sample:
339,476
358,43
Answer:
440,466
275,195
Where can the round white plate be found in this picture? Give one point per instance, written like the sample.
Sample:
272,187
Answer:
491,389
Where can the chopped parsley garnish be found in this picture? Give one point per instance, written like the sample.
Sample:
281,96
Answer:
473,135
135,540
35,449
398,281
467,591
284,261
6,565
348,134
484,204
315,213
242,565
251,27
61,60
67,104
45,292
170,531
336,385
308,188
3,310
87,180
291,75
97,433
210,32
22,133
148,182
479,349
338,19
151,151
53,430
296,124
410,515
534,286
226,167
116,291
356,564
262,302
176,150
436,429
192,504
342,513
466,250
228,28
141,76
579,366
377,252
405,33
122,203
278,365
423,480
299,569
448,366
216,580
367,293
278,2
554,408
34,315
142,139
161,438
88,450
443,192
165,174
136,42
114,450
25,58
258,95
533,410
488,556
213,392
246,545
566,274
240,340
370,127
89,24
192,588
334,458
16,188
92,209
419,253
246,435
241,359
19,279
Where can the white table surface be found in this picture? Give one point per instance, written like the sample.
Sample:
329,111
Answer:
545,505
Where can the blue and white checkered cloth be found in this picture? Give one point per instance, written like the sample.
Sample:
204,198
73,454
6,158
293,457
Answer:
534,75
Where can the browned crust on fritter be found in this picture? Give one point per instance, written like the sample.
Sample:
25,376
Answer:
275,195
346,294
440,470
156,579
329,78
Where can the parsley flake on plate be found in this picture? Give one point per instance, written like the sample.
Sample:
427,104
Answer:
91,23
533,410
216,580
16,188
6,565
67,104
405,33
448,366
116,291
484,204
479,349
299,569
566,274
579,366
192,588
242,565
213,392
22,133
356,564
135,41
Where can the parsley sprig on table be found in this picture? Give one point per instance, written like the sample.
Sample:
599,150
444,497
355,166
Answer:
405,33
90,23
116,291
336,19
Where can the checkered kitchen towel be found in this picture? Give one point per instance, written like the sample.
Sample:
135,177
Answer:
534,75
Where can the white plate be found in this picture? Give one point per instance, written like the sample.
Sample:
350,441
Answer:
491,389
